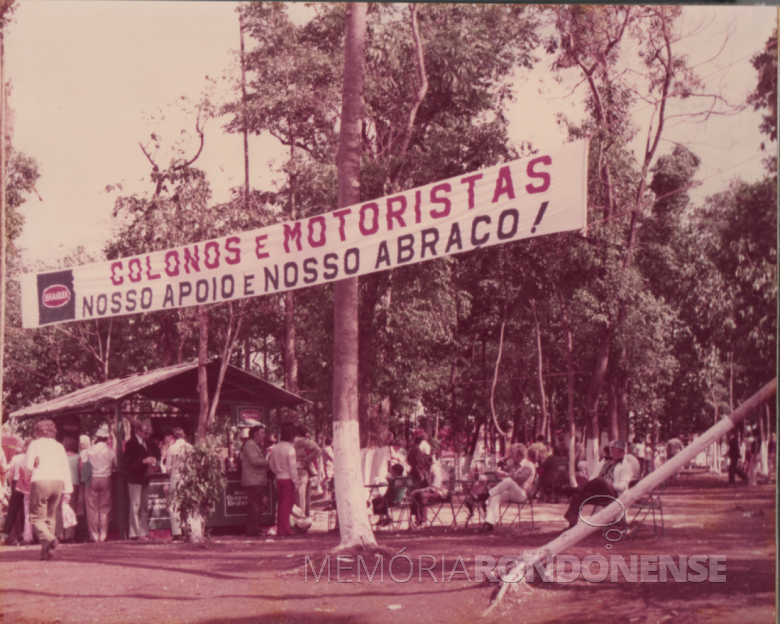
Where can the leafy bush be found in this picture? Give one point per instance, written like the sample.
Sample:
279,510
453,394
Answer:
202,483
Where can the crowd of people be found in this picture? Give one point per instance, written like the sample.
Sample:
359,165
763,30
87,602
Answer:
52,483
294,463
76,478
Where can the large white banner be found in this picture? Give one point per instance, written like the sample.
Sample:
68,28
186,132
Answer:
521,199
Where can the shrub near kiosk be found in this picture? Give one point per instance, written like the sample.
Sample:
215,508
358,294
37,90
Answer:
200,488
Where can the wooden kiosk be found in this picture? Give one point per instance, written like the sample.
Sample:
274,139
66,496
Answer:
175,387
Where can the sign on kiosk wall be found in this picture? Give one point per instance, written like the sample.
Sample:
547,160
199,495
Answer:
248,416
504,203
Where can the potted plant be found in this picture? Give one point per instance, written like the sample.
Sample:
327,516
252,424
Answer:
200,487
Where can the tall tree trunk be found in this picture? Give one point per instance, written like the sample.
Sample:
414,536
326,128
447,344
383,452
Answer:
592,404
203,385
716,446
243,114
540,428
290,359
265,357
233,329
369,297
621,399
765,435
518,392
3,166
493,385
570,392
168,338
474,442
350,493
612,412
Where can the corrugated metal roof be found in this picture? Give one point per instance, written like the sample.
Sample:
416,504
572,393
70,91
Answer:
176,386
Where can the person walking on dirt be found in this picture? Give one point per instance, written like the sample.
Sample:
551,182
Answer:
735,454
47,464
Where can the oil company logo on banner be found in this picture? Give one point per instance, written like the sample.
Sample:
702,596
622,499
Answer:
56,297
505,203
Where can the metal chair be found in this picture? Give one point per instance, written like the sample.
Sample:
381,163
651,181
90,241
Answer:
529,501
651,503
396,499
435,507
557,481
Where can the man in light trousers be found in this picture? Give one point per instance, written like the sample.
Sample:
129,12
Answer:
516,485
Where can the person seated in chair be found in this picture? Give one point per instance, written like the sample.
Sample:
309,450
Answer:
552,476
516,486
614,479
478,493
379,504
436,490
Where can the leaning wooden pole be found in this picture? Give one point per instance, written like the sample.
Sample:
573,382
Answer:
655,478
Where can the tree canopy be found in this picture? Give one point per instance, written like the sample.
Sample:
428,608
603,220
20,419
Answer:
670,307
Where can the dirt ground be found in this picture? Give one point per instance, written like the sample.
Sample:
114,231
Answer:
237,580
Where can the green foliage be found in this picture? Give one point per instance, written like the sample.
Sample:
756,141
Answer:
683,297
765,94
202,482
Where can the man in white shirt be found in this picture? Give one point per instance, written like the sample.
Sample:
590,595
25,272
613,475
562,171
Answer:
174,460
283,461
516,485
636,467
614,479
47,463
97,497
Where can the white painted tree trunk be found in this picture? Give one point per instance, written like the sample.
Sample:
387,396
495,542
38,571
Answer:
350,492
197,525
763,469
468,460
713,455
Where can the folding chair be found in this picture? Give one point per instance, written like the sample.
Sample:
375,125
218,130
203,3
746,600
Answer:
477,505
436,508
396,500
333,516
520,506
559,481
649,504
